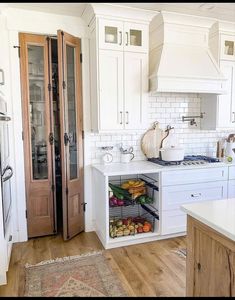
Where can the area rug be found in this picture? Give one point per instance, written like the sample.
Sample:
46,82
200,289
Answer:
88,275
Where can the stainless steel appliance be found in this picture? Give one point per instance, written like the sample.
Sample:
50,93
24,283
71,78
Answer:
6,170
189,160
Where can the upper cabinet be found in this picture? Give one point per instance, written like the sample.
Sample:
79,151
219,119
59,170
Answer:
227,47
220,110
120,35
119,74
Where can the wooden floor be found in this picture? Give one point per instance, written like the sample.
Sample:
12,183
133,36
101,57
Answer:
148,269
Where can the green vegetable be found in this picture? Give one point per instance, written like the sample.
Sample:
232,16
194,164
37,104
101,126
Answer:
119,192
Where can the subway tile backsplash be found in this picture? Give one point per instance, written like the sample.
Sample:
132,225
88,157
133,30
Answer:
167,109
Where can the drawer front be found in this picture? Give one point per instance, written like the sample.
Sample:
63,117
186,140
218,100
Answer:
231,172
174,196
194,176
231,189
173,221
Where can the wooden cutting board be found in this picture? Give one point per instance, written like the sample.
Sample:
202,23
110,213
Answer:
151,141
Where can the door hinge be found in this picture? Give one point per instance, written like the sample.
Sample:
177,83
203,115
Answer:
22,135
26,214
18,50
64,85
80,57
67,191
83,134
49,87
51,138
66,138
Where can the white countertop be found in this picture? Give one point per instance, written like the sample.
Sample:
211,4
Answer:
217,214
145,166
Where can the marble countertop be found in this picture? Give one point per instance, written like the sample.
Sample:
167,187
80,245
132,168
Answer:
145,166
217,214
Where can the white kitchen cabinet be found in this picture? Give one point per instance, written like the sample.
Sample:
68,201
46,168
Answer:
188,186
135,90
111,90
123,35
119,75
231,188
220,110
123,96
227,47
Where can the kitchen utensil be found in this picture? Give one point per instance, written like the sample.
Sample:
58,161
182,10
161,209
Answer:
229,152
151,140
168,129
172,154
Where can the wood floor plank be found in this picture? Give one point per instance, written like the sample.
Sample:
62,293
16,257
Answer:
148,269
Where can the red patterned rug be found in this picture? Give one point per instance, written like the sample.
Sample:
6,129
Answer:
88,275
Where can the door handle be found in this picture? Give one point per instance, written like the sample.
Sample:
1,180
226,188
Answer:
3,77
233,117
196,195
8,168
121,117
127,117
120,33
126,38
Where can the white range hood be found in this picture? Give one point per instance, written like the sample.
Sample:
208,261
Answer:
180,58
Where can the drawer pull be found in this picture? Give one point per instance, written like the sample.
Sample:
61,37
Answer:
196,195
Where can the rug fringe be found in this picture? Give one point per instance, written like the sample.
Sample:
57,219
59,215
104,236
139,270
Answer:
62,259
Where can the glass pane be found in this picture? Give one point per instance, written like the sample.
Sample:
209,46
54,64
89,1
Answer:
37,107
70,51
229,48
135,37
111,34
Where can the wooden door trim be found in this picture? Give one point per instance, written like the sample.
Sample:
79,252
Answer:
37,40
63,40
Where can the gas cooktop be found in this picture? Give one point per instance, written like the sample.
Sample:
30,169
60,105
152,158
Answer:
188,160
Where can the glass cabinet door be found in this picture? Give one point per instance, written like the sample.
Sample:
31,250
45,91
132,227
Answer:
111,34
135,37
228,47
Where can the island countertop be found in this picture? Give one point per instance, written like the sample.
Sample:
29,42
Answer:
217,214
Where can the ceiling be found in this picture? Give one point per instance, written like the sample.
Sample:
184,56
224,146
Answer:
222,11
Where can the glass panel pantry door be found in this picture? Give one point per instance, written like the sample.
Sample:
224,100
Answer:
70,90
38,151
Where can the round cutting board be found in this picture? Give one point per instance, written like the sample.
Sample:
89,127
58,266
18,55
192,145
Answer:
150,143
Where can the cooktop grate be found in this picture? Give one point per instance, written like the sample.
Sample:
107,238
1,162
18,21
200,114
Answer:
188,160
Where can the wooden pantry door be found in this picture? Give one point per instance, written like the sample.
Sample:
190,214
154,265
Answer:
70,91
37,127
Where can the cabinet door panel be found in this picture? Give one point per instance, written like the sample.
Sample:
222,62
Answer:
110,34
111,90
225,102
136,37
135,89
231,189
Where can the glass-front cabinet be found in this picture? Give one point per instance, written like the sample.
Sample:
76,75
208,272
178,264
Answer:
119,35
228,47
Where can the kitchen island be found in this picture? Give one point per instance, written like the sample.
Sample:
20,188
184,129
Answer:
210,266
